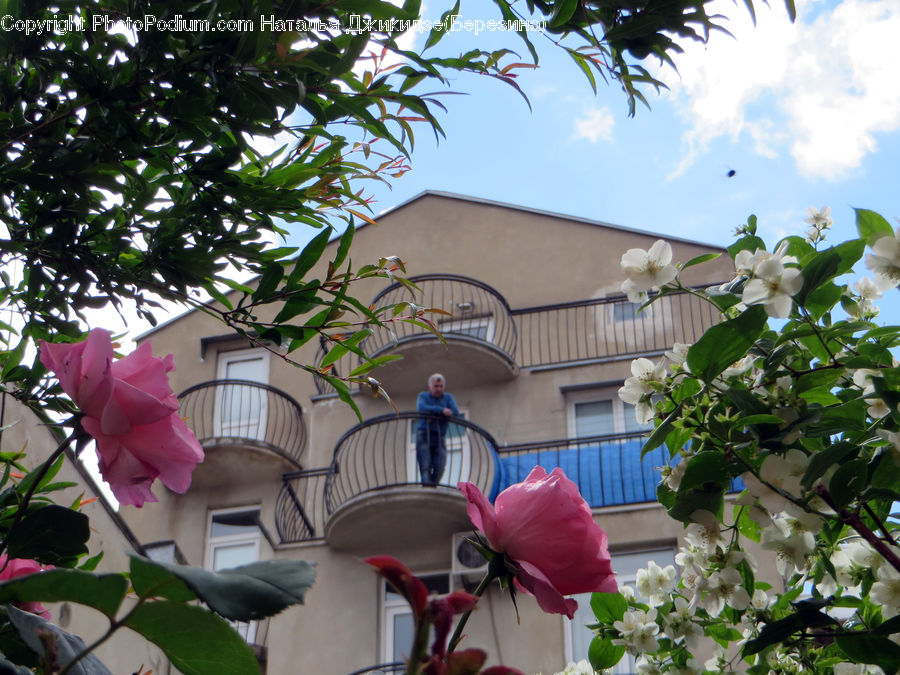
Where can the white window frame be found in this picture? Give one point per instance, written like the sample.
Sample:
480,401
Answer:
412,464
240,427
457,324
627,665
619,410
392,606
247,630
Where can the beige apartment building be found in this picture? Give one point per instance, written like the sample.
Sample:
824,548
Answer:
538,339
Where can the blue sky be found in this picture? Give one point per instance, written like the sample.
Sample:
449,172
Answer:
806,114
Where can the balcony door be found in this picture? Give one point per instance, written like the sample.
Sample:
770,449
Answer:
234,539
242,409
459,453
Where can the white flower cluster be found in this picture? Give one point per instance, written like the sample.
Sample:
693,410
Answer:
770,283
580,668
819,221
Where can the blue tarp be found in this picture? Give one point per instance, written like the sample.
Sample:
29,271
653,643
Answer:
606,474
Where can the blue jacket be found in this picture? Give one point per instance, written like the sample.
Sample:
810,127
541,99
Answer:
427,403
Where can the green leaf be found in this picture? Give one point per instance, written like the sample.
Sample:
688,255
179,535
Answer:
604,654
710,497
748,242
102,592
726,342
29,627
870,648
243,593
50,534
344,245
706,257
269,280
823,377
848,481
771,633
562,12
660,433
703,469
608,607
871,226
196,641
309,256
819,462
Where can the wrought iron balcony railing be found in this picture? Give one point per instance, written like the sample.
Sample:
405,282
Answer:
584,331
376,455
382,669
476,311
245,413
607,328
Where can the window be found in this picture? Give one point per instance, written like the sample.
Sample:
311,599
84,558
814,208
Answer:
480,327
626,565
627,311
242,409
458,453
234,539
601,413
397,619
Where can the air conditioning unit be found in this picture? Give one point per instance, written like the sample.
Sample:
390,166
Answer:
465,560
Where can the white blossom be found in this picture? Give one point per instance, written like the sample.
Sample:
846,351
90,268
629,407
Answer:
679,623
893,438
857,669
760,600
773,285
580,668
649,269
646,379
644,665
725,589
884,260
819,217
821,220
791,547
678,354
783,473
673,474
705,531
635,294
886,591
867,289
739,367
639,630
655,582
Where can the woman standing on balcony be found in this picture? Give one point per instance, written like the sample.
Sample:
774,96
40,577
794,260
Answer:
439,406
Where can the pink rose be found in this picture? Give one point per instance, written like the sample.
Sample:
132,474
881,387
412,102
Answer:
132,413
546,528
19,567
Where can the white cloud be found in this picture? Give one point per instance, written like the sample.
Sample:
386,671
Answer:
595,125
821,89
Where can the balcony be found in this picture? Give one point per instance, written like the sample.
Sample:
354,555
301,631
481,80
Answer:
478,329
250,431
382,669
548,336
373,484
607,329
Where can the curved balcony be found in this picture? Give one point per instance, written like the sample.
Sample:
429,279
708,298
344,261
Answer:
382,669
478,329
250,431
371,499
